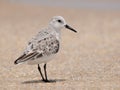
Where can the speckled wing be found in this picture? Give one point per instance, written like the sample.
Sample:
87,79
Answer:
38,48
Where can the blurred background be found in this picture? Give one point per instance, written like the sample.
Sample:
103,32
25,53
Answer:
88,60
88,4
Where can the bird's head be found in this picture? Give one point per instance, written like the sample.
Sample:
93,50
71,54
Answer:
58,22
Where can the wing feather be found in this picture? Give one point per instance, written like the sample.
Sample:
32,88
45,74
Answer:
25,57
38,48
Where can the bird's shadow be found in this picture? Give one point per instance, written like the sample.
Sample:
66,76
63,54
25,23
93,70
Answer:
40,81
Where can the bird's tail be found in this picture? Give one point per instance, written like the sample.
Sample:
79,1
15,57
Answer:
15,62
18,60
26,57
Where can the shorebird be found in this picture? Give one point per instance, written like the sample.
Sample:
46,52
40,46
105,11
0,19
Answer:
44,45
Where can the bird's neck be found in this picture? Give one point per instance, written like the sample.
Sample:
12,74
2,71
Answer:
56,31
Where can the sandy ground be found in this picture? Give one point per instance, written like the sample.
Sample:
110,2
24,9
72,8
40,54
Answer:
88,60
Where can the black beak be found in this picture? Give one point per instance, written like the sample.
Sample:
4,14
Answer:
68,27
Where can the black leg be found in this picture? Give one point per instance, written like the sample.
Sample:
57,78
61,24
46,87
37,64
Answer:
39,69
46,80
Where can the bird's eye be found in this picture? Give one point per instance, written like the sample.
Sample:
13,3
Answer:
59,21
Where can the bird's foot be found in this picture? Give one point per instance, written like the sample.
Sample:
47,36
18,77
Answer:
47,81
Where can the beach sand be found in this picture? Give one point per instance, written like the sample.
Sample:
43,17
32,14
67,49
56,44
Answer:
88,60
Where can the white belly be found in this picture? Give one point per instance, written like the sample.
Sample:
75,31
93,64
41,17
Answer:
41,60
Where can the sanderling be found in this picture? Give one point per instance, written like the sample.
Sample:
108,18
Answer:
44,45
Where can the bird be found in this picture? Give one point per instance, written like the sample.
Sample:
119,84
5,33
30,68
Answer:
43,45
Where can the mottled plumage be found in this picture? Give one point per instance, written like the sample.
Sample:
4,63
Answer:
44,45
